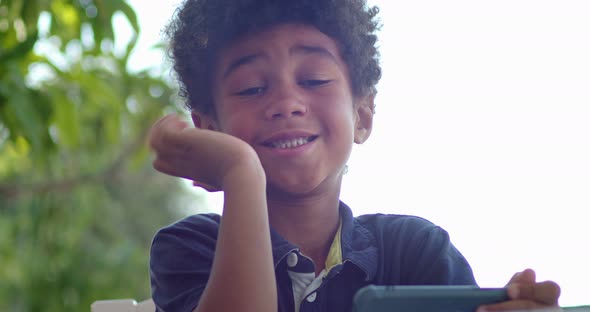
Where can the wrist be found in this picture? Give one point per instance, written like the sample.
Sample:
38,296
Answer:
245,173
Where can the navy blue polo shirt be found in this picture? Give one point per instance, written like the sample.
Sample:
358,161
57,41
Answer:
376,249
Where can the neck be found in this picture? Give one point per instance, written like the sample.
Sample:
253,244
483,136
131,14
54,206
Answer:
310,223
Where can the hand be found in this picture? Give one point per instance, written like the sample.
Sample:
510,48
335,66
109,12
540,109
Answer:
526,294
204,156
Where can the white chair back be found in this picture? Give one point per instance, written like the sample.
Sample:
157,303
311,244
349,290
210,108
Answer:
123,305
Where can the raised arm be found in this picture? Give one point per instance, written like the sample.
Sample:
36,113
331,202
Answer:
242,276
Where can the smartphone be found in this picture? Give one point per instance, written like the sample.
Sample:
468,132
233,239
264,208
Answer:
374,298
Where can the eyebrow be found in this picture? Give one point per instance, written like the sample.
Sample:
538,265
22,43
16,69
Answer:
307,49
247,59
297,49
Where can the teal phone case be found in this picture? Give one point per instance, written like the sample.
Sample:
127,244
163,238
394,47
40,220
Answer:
425,298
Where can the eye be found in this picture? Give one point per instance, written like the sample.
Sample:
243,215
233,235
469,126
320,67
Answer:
313,82
251,91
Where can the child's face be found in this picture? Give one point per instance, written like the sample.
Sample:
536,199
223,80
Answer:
286,91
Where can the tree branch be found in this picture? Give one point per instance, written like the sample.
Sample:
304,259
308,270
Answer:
12,192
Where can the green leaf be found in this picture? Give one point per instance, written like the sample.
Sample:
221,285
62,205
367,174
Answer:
21,106
66,21
20,49
129,14
14,9
66,121
101,24
30,14
61,202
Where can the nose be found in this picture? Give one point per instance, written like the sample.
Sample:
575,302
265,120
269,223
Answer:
286,102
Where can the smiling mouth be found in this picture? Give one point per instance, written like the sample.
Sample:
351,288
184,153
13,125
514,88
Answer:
290,143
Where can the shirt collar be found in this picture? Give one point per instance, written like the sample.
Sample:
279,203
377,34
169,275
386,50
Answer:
357,244
280,247
334,257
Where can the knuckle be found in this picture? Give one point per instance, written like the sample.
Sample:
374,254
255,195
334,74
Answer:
553,290
529,305
160,165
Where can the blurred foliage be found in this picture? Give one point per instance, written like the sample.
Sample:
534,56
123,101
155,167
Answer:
79,201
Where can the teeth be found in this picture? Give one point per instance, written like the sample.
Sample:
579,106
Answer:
290,143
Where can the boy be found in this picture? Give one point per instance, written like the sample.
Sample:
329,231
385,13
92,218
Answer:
279,92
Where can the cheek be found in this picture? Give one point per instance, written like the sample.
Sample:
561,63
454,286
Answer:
340,112
229,117
237,124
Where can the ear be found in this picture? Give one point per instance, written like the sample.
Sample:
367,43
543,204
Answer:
364,110
204,121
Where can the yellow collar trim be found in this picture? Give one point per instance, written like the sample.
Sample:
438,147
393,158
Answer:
335,254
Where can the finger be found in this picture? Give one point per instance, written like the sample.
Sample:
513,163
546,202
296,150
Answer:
172,169
172,165
509,305
527,276
172,139
154,132
161,128
517,305
546,293
164,167
207,187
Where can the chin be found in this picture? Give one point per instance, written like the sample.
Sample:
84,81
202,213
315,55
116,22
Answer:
290,190
301,187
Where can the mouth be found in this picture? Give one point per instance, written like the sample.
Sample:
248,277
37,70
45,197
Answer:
290,143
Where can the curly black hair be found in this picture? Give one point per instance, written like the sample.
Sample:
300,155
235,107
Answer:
200,28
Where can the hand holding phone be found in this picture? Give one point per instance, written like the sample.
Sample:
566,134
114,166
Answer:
374,298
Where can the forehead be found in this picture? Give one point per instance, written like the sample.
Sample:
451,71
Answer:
290,38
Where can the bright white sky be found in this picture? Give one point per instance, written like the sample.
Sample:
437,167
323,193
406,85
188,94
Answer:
482,127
